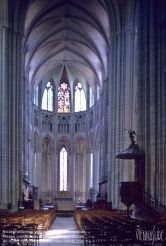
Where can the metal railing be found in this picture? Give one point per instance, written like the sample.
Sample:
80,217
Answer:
147,203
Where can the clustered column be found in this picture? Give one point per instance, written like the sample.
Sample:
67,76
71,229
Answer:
121,109
11,44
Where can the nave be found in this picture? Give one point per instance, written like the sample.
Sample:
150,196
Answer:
82,228
63,232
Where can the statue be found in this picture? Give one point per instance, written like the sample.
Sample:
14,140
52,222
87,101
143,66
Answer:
131,136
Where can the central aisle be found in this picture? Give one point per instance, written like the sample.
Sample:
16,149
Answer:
63,232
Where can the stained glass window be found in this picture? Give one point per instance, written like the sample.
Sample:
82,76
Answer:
63,98
47,100
63,170
91,98
36,96
80,100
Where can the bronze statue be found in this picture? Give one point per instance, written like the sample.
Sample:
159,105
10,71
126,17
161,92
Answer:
131,136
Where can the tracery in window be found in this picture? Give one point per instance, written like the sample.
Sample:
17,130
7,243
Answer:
63,170
63,98
36,96
47,100
80,100
91,97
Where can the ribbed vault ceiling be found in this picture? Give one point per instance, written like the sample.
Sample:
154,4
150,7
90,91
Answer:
70,33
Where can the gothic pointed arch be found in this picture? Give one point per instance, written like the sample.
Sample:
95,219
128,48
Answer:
80,145
49,139
80,136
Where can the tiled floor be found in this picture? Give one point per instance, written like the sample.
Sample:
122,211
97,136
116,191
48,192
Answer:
63,232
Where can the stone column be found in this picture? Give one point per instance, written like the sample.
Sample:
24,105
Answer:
49,171
151,50
44,172
11,47
104,131
39,169
95,171
162,173
101,135
72,156
100,159
88,181
77,171
53,174
80,171
3,119
72,178
121,112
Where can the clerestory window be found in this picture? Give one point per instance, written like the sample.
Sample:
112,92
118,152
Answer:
80,100
63,98
47,100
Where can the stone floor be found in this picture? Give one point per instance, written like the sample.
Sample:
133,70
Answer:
63,232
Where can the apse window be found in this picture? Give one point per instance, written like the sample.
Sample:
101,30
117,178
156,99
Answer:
80,100
47,100
63,98
63,170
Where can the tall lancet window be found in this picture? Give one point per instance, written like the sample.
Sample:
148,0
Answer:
80,100
36,96
47,100
63,98
63,170
91,98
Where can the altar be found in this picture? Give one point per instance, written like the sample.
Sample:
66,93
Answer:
65,206
63,202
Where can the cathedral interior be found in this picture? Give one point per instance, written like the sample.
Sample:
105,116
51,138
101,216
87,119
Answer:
82,105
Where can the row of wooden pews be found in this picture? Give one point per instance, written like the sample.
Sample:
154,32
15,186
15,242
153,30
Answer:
105,228
25,227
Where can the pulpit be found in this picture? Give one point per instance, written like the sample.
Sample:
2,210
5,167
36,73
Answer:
126,189
103,190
